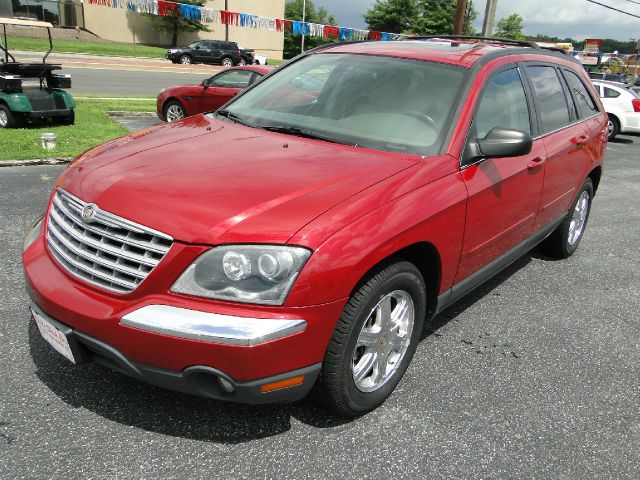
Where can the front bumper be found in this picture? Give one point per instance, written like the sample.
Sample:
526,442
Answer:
99,314
198,380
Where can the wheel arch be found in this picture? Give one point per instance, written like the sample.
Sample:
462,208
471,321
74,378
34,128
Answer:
595,176
173,99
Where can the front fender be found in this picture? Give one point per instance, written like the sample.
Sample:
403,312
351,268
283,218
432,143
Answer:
433,213
17,102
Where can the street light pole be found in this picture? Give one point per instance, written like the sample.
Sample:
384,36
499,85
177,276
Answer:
304,12
489,17
226,26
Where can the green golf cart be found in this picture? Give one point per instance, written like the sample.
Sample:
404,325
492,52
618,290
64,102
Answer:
31,91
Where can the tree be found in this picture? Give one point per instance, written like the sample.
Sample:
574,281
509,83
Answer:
293,11
510,27
175,24
419,17
394,16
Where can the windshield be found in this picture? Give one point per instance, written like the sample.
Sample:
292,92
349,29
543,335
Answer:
384,103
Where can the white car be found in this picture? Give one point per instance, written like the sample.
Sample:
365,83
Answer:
260,59
622,105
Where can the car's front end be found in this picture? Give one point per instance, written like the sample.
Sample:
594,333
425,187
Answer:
174,54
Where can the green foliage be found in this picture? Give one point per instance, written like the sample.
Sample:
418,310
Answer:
510,27
418,17
176,25
93,48
293,11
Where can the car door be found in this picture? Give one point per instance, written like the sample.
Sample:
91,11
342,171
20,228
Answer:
565,137
223,87
504,193
215,53
197,52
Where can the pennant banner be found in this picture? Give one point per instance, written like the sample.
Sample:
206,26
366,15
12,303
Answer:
246,20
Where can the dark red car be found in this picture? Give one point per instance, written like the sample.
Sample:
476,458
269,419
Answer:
305,234
175,103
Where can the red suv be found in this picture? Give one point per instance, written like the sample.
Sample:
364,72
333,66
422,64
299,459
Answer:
303,235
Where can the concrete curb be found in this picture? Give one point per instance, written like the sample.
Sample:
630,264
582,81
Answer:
132,114
36,161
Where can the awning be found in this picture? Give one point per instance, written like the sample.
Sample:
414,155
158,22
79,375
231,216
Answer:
24,23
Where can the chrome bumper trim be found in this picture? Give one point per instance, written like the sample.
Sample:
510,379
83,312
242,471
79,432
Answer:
211,327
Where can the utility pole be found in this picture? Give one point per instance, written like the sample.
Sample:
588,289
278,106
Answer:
304,13
226,27
458,25
489,18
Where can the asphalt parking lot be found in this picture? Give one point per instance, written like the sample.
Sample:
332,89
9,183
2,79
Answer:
535,375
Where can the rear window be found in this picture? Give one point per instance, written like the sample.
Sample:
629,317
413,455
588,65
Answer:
584,103
611,93
551,100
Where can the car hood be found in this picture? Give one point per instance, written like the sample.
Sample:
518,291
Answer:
211,181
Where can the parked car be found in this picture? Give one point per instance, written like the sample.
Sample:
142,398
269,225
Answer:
207,51
175,103
32,91
622,105
296,240
248,56
260,59
611,77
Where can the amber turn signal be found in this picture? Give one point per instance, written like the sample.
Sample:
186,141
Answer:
289,382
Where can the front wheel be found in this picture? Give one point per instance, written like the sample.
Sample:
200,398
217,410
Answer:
374,340
227,62
174,111
565,239
8,119
186,60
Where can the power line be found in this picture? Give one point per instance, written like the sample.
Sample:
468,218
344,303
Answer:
613,8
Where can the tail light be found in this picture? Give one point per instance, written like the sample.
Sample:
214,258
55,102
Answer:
636,104
239,53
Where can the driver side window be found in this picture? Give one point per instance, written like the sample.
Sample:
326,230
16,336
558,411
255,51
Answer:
503,104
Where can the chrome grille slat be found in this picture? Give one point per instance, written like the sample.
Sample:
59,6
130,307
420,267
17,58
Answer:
113,236
110,252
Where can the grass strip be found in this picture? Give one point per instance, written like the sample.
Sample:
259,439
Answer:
92,128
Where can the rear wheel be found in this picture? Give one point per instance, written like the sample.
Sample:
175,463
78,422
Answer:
68,120
8,119
174,111
186,60
227,62
613,127
242,62
374,340
565,239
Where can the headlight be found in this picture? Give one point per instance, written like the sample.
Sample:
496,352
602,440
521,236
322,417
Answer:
32,234
244,273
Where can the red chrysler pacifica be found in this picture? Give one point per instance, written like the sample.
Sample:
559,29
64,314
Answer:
304,234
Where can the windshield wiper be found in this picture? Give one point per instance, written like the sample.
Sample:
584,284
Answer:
234,117
302,132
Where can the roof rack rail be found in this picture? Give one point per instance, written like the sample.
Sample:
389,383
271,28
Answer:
520,43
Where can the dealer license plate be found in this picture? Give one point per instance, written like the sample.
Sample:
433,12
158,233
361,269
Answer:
53,336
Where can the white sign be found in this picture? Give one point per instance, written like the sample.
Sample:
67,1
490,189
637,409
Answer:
55,337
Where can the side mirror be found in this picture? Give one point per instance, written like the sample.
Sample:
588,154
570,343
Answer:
205,83
504,142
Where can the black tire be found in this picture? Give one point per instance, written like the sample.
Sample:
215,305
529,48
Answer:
185,60
174,61
8,119
242,62
559,244
68,120
336,388
613,127
227,62
173,106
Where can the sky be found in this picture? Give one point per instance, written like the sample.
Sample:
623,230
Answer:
578,19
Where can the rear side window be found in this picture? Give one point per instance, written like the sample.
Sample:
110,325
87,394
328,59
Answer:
611,93
585,104
551,100
503,104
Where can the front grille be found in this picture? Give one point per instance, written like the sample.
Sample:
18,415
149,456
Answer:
105,250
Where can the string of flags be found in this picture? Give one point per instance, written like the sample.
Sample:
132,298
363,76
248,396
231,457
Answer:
210,15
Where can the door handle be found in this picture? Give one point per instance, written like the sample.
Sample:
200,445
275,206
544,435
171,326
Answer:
581,141
535,163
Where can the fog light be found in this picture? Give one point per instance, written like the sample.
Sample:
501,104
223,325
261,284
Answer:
226,385
48,140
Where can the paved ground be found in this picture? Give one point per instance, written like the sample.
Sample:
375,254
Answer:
533,376
135,123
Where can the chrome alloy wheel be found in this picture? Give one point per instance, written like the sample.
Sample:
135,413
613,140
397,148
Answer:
579,218
610,128
227,62
174,113
4,119
383,341
185,60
